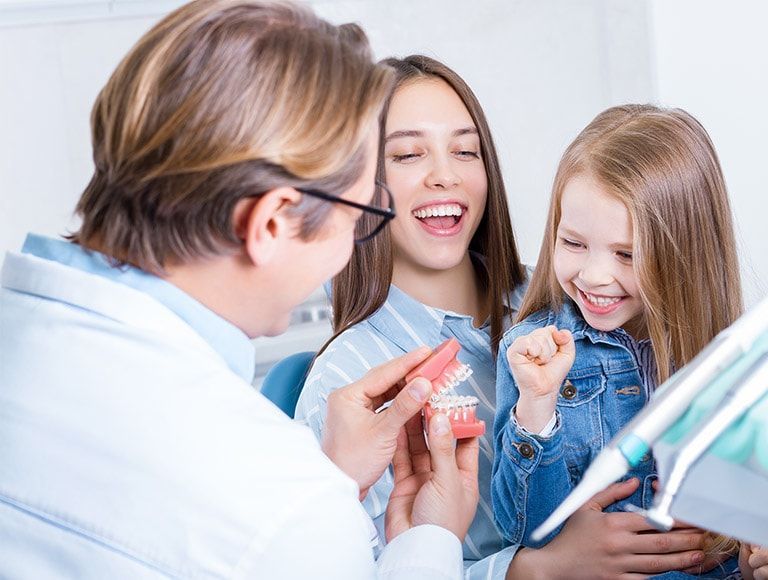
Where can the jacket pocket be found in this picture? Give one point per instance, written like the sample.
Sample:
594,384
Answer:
580,407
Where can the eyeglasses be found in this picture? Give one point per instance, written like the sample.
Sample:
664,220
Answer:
374,217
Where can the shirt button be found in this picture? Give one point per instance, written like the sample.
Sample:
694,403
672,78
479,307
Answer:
526,450
568,391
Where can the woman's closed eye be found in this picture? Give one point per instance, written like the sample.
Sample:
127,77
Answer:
405,157
467,154
624,256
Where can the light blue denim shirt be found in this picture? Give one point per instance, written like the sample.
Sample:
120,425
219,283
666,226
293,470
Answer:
401,325
603,390
230,342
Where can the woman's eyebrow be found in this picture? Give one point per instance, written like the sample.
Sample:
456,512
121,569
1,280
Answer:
417,133
404,133
465,131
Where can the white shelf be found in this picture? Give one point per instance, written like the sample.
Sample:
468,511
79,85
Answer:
41,12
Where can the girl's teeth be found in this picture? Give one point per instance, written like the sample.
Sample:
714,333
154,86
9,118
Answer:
601,300
449,209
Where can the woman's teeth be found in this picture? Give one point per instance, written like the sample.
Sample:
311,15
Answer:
450,209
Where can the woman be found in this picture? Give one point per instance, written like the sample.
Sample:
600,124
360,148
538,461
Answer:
448,266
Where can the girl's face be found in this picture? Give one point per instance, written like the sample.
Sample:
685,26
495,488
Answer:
435,170
593,257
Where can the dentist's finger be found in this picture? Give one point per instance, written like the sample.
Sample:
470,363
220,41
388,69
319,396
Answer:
406,404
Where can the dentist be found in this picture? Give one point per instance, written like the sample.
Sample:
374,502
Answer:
234,151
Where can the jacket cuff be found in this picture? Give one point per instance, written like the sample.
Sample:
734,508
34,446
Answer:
528,450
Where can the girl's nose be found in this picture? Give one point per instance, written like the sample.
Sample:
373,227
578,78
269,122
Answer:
595,273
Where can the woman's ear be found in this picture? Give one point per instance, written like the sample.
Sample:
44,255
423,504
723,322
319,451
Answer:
263,225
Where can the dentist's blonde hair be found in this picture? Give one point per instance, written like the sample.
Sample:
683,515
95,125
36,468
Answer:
222,100
661,164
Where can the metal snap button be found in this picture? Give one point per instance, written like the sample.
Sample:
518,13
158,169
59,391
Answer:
568,391
526,450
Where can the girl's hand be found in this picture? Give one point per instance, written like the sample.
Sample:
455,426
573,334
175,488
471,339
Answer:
539,363
753,562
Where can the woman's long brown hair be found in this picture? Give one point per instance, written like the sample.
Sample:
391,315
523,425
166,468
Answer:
362,287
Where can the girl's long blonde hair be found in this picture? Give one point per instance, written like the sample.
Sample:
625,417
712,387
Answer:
662,165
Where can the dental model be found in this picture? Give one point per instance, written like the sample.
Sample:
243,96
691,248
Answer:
445,373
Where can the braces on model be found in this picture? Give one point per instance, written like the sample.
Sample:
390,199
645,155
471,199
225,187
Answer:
445,373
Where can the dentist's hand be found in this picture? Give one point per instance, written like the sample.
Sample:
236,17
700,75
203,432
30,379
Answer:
436,485
539,363
356,438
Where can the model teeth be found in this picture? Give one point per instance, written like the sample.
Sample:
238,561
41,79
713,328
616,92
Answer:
457,404
600,300
446,398
449,209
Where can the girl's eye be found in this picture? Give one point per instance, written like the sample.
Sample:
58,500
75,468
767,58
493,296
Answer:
468,154
405,157
626,256
571,243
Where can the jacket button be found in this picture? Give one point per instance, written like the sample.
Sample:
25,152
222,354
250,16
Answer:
568,391
526,450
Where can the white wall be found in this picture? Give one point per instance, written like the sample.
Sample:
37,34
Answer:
542,69
711,58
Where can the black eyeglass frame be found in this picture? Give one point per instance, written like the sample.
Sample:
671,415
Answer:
387,213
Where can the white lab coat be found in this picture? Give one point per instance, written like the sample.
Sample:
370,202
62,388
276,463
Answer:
128,449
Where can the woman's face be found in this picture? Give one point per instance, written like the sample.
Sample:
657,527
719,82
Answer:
435,170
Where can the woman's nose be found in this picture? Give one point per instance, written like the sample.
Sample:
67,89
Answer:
441,174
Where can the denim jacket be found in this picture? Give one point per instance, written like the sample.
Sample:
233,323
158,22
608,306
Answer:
532,475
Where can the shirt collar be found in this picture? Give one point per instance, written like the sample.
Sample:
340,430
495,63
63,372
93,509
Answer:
410,323
226,339
569,316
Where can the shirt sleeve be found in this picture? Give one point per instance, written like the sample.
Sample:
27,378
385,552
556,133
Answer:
341,364
331,539
493,567
546,431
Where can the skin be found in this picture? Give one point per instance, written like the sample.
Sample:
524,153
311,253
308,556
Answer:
753,562
621,546
593,256
432,157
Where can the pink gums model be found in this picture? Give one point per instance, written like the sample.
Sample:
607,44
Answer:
445,372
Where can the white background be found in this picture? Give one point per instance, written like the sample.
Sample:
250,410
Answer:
541,68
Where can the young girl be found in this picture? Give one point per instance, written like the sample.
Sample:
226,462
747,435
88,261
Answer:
447,267
637,273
